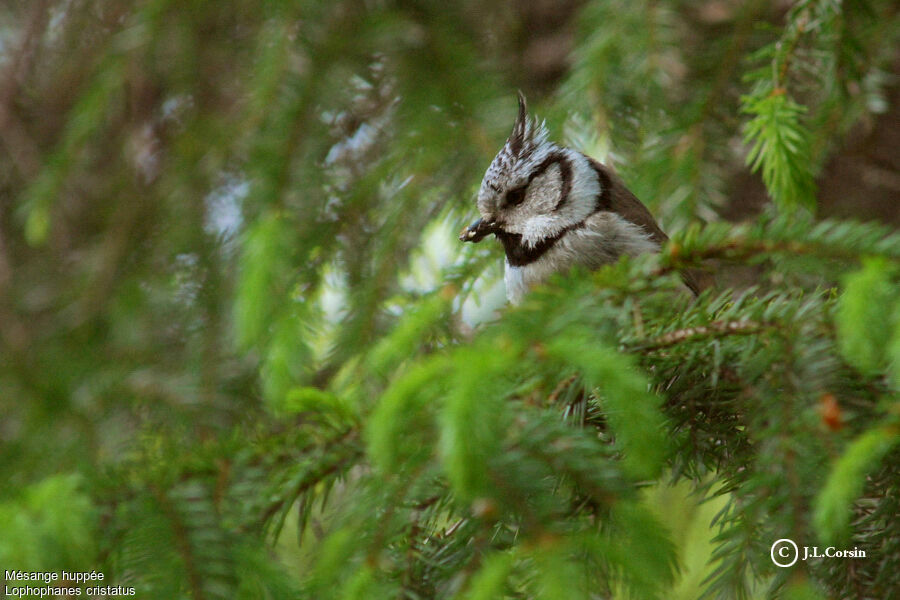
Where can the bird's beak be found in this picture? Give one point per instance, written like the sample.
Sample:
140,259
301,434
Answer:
478,230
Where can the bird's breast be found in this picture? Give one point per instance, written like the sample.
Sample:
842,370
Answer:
519,278
599,240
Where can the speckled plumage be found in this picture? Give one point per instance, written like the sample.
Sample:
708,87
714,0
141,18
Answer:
553,208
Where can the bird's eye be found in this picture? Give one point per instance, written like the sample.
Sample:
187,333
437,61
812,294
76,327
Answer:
516,196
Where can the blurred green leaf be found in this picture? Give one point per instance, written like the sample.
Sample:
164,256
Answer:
49,526
865,315
833,509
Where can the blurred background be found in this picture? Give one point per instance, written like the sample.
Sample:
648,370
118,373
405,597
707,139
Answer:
206,204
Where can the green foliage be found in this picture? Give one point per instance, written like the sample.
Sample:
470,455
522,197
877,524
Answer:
400,428
865,315
632,412
266,262
421,322
893,350
810,58
490,581
50,526
801,590
474,420
645,554
780,148
845,482
243,356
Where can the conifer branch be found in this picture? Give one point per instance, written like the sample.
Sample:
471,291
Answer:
182,541
714,329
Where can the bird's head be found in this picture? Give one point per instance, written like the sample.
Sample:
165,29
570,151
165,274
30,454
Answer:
533,188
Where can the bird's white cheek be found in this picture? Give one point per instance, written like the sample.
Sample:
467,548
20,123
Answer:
544,191
540,227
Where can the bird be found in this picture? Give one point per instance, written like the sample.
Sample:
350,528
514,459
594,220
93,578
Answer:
553,207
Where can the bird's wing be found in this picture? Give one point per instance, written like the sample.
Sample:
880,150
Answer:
615,197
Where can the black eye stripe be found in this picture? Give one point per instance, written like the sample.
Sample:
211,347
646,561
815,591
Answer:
515,196
565,168
554,157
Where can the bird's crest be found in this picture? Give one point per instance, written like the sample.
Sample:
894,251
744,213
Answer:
527,134
526,147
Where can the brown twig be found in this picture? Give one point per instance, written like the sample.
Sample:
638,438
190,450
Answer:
311,479
560,387
739,249
182,541
713,329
